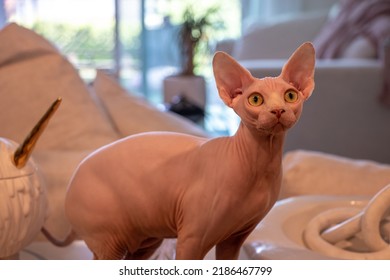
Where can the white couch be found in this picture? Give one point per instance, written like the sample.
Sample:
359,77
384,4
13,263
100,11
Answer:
344,115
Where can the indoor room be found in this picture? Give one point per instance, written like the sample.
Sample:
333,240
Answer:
192,87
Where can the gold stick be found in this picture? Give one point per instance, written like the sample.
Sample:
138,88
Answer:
23,152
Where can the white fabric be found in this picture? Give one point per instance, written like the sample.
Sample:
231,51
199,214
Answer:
315,173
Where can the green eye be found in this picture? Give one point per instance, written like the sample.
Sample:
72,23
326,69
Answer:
291,96
255,99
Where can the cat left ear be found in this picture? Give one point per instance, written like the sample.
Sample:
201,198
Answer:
231,78
299,69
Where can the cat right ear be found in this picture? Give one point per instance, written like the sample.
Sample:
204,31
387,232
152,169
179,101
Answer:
230,77
299,69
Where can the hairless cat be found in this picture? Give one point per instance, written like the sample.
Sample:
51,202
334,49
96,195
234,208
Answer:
126,197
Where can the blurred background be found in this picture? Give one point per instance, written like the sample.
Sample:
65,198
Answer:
137,40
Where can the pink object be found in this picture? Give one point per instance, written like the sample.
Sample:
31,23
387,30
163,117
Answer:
126,197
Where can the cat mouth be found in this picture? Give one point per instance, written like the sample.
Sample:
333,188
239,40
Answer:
273,128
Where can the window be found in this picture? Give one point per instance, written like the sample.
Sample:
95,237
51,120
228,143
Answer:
135,39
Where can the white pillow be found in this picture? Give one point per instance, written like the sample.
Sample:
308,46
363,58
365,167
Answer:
132,114
360,47
316,173
32,75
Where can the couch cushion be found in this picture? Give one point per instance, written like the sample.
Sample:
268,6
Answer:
32,75
131,114
360,47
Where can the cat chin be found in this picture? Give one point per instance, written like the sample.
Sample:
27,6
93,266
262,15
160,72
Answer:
278,128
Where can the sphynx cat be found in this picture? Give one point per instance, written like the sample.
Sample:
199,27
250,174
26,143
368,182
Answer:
126,197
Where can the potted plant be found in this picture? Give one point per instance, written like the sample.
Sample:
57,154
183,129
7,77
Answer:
192,39
192,33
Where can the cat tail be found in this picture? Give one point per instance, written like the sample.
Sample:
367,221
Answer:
60,243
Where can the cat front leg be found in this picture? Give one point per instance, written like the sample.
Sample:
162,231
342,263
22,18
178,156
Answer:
190,248
229,249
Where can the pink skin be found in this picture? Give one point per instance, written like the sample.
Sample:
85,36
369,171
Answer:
126,197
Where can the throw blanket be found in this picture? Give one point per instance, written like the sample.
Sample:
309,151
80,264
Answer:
367,18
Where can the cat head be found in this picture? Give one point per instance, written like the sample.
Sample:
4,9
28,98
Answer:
269,105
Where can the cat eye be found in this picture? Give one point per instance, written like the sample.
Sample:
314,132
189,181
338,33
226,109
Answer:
255,99
291,96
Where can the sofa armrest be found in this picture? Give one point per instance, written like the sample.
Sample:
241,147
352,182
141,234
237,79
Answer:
344,115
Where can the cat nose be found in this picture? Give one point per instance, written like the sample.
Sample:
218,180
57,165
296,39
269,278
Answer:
278,112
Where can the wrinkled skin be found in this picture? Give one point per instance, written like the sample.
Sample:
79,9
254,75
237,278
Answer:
126,197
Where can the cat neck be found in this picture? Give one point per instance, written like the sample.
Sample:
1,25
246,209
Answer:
257,147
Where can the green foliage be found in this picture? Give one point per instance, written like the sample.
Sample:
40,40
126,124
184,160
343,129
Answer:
85,42
195,25
194,35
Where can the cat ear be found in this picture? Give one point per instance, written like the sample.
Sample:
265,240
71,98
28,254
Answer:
230,77
299,69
